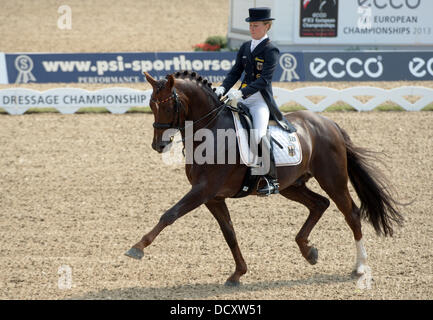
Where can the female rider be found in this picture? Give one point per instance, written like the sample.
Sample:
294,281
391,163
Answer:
258,59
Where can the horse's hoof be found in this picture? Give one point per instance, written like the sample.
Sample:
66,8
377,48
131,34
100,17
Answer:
232,284
360,271
355,274
313,256
134,253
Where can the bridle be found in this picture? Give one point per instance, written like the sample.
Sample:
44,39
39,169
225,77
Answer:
177,108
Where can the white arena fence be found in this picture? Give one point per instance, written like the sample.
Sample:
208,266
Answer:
402,96
119,100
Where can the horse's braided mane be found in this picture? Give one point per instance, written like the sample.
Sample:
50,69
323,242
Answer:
200,81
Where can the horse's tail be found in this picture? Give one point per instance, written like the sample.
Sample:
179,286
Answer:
377,205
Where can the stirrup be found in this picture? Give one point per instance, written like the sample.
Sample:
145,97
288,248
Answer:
271,187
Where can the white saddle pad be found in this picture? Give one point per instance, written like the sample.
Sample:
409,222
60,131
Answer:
289,155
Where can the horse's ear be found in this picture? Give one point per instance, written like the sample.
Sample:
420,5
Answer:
150,79
170,81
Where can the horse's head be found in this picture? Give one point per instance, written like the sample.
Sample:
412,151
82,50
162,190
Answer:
165,106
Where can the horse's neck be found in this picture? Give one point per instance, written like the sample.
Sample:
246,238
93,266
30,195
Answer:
200,111
200,114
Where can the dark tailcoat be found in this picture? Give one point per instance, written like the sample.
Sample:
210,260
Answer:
259,67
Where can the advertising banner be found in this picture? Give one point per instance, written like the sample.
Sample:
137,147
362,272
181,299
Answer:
109,68
365,22
128,67
318,18
114,67
69,100
368,66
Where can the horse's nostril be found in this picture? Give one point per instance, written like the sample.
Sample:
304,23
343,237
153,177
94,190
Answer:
160,145
156,146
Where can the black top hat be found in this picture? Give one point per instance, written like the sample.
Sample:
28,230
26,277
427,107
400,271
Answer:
259,14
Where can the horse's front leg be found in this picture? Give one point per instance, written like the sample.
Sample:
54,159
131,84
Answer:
193,199
219,210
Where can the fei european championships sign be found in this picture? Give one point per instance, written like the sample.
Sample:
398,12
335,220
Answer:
364,22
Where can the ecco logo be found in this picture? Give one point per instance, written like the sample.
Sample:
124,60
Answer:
354,67
418,66
396,4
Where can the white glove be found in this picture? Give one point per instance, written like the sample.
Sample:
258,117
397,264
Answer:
235,95
220,91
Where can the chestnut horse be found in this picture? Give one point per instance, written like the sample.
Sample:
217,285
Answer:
328,155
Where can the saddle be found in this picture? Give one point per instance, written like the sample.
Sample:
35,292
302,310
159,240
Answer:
244,117
247,119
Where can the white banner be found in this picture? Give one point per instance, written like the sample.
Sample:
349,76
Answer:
369,22
3,71
69,100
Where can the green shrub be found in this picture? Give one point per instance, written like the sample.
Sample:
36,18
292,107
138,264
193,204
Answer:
217,41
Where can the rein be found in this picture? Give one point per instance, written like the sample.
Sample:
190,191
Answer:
219,109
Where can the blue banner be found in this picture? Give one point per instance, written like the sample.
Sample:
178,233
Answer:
129,67
124,67
369,66
114,67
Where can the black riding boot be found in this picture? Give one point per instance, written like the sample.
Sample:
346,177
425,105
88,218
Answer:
271,179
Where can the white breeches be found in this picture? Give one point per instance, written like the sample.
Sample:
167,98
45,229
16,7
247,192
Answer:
260,112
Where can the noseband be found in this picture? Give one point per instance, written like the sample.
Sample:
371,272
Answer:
177,106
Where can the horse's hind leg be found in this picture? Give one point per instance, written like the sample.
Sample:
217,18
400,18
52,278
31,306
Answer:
351,212
317,205
219,210
334,183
